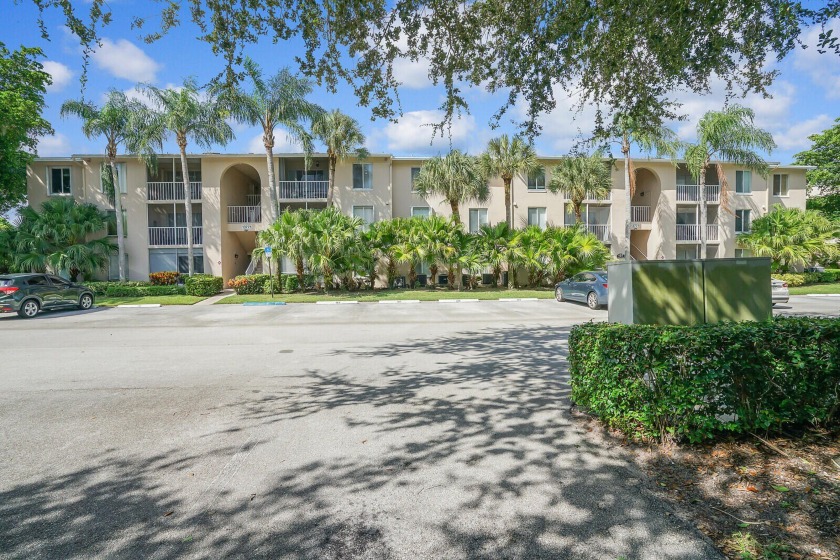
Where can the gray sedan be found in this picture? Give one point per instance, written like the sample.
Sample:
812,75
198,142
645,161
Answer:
779,291
588,287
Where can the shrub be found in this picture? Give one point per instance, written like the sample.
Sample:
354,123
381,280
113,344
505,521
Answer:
165,278
270,283
695,382
101,288
792,280
203,285
290,282
830,276
121,290
248,284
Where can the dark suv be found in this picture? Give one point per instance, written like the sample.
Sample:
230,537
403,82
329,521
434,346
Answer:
27,294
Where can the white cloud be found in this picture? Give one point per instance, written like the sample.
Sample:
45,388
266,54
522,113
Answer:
123,59
795,137
61,75
413,133
822,69
55,145
566,125
282,144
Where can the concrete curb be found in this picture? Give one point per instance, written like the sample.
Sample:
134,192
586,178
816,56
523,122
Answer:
253,303
135,305
398,301
822,295
350,302
458,300
518,299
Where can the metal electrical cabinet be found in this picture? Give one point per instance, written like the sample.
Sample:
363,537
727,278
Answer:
689,292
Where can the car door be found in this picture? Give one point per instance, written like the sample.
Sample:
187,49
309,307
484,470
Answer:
40,287
65,293
574,287
586,285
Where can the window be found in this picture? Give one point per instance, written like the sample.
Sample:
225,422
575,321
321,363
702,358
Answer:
478,218
365,213
741,253
363,176
536,180
113,268
38,281
420,211
686,252
60,180
536,217
59,282
780,185
743,182
112,223
415,171
742,221
198,264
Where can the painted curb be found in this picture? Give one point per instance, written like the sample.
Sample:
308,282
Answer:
350,302
135,305
398,301
458,300
254,303
822,295
518,299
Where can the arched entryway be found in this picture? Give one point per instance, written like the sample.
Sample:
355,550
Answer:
242,213
644,206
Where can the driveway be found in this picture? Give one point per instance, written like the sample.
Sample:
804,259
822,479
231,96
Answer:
417,431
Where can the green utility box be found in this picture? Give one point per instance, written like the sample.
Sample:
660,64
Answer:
689,292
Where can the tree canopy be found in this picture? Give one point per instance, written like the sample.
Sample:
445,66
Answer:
23,84
824,153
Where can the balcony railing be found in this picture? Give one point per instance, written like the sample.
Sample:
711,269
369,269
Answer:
244,214
156,190
592,198
602,232
168,236
691,232
296,190
691,193
640,214
252,199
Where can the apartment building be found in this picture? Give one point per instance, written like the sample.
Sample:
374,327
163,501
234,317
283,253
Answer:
230,197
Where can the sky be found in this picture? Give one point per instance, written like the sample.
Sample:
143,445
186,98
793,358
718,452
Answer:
805,97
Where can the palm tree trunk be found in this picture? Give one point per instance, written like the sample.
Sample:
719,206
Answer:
456,213
299,272
331,178
272,182
508,210
433,269
412,274
703,211
182,145
118,209
628,199
578,214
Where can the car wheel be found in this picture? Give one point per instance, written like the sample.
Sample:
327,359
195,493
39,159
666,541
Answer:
86,301
29,309
558,294
592,300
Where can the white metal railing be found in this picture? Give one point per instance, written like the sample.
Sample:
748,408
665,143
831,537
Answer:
691,193
244,214
252,199
602,232
640,214
688,232
591,197
712,232
173,235
303,189
168,190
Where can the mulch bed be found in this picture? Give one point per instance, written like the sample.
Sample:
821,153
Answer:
756,497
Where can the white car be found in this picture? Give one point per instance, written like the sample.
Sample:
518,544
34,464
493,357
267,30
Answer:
779,290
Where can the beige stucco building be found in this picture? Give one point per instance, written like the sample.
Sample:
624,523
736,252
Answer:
231,200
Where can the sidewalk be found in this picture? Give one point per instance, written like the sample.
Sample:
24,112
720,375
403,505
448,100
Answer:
214,299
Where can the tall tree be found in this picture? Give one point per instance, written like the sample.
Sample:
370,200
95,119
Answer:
113,121
188,115
730,136
824,153
343,138
507,158
457,177
280,100
288,237
581,177
23,84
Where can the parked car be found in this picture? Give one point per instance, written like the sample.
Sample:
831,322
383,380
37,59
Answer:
588,287
27,294
815,268
779,291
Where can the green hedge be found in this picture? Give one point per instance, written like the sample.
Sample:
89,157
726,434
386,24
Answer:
101,288
121,290
801,279
291,284
203,285
696,382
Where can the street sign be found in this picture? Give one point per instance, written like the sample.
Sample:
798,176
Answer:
267,251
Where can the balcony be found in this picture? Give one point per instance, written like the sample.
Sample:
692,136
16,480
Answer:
171,191
691,193
690,233
592,198
252,199
303,190
172,236
602,232
244,214
640,214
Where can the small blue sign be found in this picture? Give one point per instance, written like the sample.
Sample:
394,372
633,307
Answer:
267,251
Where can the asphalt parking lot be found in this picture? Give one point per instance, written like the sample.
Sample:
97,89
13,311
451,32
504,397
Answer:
353,431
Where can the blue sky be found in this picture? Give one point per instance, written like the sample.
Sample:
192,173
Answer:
806,96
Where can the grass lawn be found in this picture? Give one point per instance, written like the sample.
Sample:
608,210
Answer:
163,300
816,289
379,295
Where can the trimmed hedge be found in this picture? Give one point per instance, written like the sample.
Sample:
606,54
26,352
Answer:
249,284
101,288
290,282
122,290
203,285
792,280
695,382
801,279
165,278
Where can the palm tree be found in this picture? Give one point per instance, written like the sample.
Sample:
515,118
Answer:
507,158
730,136
277,101
570,250
651,138
57,239
457,177
411,249
493,243
385,235
581,177
529,249
343,138
791,238
188,115
434,233
113,121
330,236
287,236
